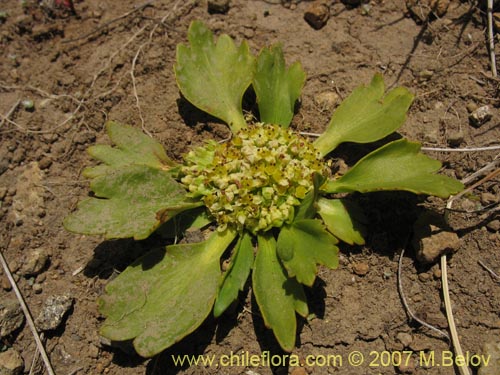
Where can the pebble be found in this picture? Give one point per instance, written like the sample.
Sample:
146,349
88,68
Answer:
3,193
93,351
360,268
45,163
11,317
37,288
488,198
317,14
11,363
404,338
425,74
494,225
5,283
53,312
471,107
35,262
218,6
431,239
424,277
455,138
480,116
327,100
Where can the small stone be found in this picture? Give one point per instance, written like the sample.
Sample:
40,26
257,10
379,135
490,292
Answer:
423,10
494,225
480,116
35,262
425,74
193,235
11,317
28,105
327,100
488,198
437,273
11,363
37,288
218,6
455,138
3,192
471,107
360,268
53,312
424,277
431,238
45,163
491,350
317,14
93,351
5,283
404,338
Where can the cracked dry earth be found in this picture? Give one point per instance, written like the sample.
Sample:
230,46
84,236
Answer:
76,72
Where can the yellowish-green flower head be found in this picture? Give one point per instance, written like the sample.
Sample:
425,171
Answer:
255,180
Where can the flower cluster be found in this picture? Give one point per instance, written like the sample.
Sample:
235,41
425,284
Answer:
255,180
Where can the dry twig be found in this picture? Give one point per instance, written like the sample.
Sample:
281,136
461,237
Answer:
492,273
464,370
26,311
407,307
491,41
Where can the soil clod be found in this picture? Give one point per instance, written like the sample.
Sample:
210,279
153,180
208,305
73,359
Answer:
11,317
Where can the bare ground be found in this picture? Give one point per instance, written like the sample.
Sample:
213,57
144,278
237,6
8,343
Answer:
114,61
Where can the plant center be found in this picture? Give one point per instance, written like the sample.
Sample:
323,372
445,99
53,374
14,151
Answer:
255,180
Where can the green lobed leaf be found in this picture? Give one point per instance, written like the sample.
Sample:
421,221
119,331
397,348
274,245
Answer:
214,76
277,88
304,244
277,295
235,277
164,295
396,166
132,147
366,115
341,219
132,201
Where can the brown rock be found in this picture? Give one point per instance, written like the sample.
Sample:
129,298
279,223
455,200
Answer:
11,317
432,238
11,363
35,262
317,14
360,268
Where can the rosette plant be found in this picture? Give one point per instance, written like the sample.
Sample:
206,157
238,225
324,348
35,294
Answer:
267,199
